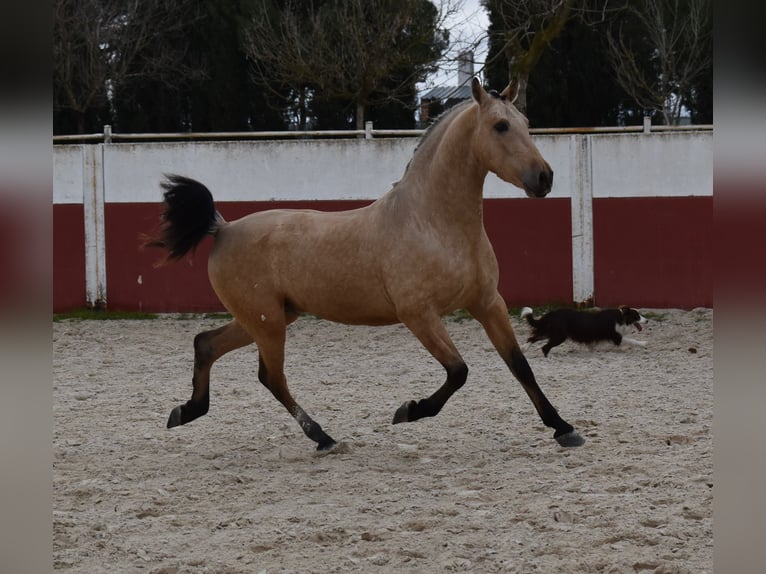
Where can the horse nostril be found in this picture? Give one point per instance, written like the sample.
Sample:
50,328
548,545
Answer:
538,182
546,179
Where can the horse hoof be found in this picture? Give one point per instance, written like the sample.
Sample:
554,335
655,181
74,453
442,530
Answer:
572,438
333,448
175,418
327,446
402,414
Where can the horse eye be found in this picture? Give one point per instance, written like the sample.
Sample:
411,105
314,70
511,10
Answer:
501,127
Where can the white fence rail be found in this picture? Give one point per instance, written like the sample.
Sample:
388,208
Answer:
369,132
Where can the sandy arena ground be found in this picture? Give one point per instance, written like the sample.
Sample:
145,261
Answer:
482,487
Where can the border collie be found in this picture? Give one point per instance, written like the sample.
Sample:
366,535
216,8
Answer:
584,326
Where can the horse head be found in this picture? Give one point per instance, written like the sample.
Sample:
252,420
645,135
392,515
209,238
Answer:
502,142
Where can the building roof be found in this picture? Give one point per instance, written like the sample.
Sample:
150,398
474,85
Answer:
448,93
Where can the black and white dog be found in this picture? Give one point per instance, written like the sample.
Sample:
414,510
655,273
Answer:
584,326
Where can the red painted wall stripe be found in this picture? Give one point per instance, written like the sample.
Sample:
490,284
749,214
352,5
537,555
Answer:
653,251
68,257
532,239
648,252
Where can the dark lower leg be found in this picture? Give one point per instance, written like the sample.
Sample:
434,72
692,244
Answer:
187,412
494,318
279,389
199,403
312,429
429,407
431,332
550,417
208,347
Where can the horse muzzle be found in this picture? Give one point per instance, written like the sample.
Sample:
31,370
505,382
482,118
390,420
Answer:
538,183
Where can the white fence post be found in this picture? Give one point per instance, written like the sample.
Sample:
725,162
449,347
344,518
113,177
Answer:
582,221
647,124
93,212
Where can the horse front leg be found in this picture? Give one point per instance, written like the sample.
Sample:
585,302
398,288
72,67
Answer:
209,346
432,333
494,318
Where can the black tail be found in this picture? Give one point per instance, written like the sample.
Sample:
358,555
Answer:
189,216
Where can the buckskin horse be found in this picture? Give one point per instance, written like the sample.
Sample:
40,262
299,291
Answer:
417,253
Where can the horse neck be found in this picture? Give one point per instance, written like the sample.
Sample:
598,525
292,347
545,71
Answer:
450,176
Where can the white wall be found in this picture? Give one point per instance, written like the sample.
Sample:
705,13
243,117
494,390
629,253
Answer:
621,165
648,165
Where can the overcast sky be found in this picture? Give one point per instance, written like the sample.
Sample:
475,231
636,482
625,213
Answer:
468,25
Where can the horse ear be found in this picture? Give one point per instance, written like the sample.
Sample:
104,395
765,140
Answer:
511,92
477,90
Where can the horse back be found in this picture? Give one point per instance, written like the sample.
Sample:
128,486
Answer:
323,263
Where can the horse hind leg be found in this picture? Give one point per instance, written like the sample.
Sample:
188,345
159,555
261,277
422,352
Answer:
209,346
432,333
270,339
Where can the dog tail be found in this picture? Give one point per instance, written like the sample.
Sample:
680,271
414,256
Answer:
526,313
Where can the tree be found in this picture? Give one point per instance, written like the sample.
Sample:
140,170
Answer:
522,31
101,44
344,50
80,63
671,51
223,98
699,98
573,83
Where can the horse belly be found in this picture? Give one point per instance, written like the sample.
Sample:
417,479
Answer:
355,299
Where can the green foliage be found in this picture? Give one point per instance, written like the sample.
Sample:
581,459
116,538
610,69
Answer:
220,96
102,315
345,61
184,66
655,315
699,99
573,84
105,315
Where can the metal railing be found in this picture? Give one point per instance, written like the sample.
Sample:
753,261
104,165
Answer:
107,136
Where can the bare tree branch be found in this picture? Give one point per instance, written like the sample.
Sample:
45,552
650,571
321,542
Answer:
529,27
364,51
99,44
676,50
